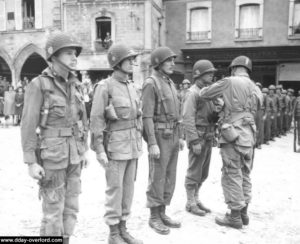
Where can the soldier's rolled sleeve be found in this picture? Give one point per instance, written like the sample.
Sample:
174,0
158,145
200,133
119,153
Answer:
30,120
98,121
189,113
215,90
148,101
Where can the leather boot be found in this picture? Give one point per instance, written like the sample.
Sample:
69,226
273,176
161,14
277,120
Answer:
156,223
167,220
126,236
233,220
114,235
244,215
198,202
66,240
191,205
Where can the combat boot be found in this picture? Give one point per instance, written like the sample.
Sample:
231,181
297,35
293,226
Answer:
191,205
199,203
126,236
167,220
114,235
244,215
156,223
233,220
66,240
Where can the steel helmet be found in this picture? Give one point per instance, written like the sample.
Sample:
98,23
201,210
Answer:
271,87
161,54
278,87
258,84
201,67
284,92
59,40
118,52
242,61
186,81
265,90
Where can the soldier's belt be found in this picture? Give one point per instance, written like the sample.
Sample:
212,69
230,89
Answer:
165,125
122,124
59,132
207,128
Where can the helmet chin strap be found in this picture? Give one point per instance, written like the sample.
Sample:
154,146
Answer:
63,65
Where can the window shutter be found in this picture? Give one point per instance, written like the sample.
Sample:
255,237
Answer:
2,16
38,10
18,14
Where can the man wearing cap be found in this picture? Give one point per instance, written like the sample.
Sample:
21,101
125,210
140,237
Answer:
237,138
296,113
281,109
287,110
274,112
116,137
185,86
163,134
54,106
267,104
259,120
199,121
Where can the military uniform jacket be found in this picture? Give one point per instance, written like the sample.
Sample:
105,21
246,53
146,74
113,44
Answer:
240,101
121,139
153,111
63,139
197,116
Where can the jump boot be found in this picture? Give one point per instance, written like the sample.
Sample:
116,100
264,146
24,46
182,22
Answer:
126,236
114,235
198,202
233,220
191,205
167,220
156,223
244,215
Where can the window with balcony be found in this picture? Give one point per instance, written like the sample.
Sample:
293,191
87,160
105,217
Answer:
294,18
199,21
199,25
249,19
28,14
103,32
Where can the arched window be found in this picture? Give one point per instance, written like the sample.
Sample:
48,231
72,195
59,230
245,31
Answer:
103,31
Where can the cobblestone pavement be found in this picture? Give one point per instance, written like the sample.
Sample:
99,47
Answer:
274,211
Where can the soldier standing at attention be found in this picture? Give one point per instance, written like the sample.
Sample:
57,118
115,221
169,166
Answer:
199,121
267,101
163,134
274,112
116,137
54,105
237,140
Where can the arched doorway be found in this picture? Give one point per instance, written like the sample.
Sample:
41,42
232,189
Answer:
33,66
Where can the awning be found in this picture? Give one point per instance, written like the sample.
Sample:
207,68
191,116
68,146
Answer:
289,72
93,62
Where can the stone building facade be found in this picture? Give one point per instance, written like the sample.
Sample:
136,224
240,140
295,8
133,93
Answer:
25,24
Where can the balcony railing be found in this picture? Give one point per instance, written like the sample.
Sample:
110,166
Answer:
197,35
28,23
295,29
248,33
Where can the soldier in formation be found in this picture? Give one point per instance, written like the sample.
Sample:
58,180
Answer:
116,137
54,107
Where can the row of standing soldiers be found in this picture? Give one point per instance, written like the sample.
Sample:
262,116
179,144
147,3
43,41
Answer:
54,107
275,117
